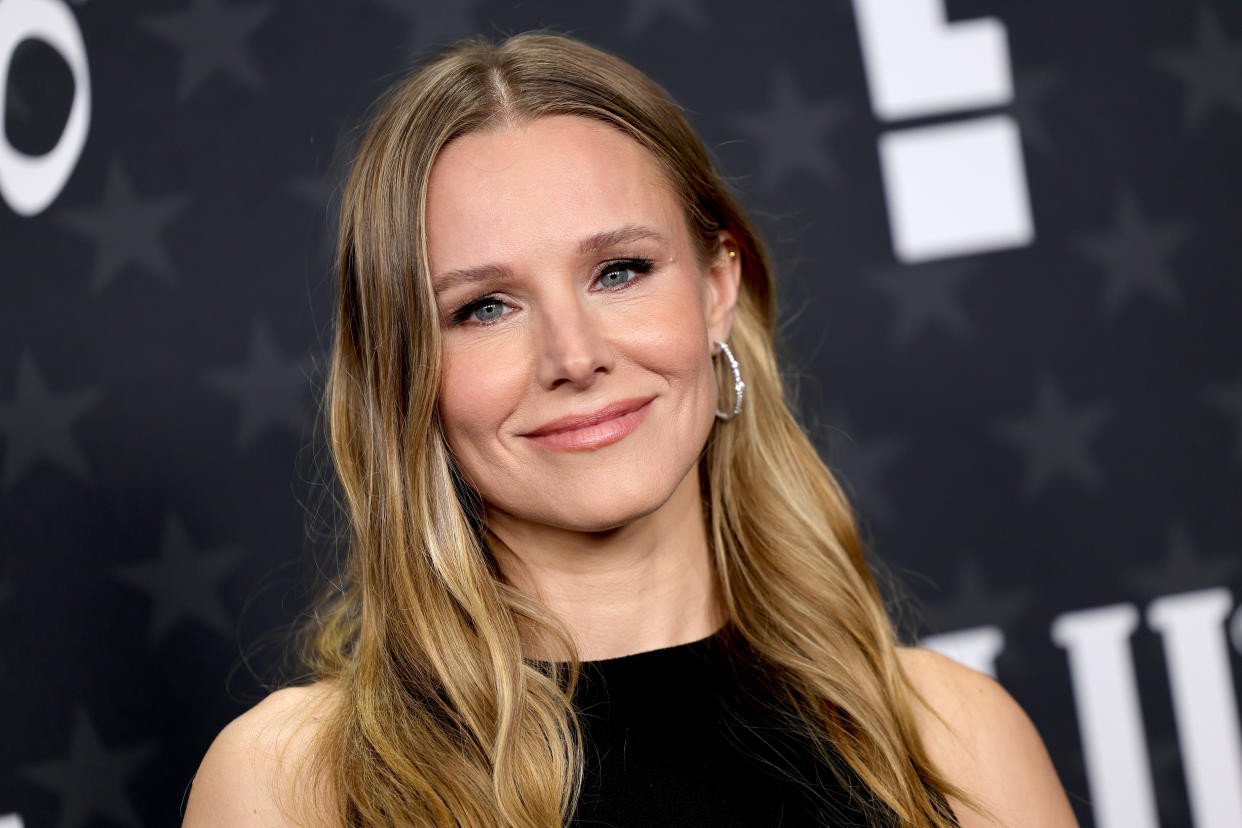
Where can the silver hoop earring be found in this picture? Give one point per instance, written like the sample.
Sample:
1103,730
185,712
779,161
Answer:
739,387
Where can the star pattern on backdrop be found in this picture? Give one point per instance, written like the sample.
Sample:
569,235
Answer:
1211,69
269,388
973,602
211,36
924,296
641,14
861,463
91,779
1134,255
182,583
126,229
1184,569
791,133
1055,438
1226,398
1031,88
37,424
429,23
188,95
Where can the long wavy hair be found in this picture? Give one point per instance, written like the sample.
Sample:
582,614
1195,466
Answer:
436,717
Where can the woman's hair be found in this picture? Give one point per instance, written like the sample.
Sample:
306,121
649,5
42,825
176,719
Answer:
437,718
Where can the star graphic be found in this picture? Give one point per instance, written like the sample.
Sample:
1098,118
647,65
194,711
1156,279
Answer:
925,295
642,12
1183,570
212,37
861,465
1227,399
36,424
182,584
1054,438
1135,256
126,229
270,388
91,780
1031,87
1212,70
790,133
434,23
974,603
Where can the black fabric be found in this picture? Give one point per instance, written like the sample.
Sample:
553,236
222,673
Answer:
672,738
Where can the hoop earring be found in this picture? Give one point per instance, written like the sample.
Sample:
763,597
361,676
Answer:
739,387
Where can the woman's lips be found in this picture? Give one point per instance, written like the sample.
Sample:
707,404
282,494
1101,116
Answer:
593,431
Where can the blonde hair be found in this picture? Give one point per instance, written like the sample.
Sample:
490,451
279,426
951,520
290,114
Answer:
438,718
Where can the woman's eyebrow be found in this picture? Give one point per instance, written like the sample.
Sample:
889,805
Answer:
603,240
470,276
622,235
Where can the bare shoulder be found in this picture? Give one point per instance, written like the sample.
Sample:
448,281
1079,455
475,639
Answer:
247,772
983,741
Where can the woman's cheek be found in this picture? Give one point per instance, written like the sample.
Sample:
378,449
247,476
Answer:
477,389
669,323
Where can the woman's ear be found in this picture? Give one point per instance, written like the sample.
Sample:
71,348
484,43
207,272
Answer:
723,282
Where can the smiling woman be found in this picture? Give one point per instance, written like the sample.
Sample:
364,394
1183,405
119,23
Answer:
589,580
589,339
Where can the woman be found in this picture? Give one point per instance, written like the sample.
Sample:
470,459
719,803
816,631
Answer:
561,434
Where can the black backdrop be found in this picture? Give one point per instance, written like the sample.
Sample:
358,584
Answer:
1009,256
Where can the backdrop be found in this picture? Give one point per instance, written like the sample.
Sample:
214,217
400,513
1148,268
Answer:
1009,260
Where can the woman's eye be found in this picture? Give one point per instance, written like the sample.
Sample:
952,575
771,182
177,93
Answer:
622,273
488,311
483,311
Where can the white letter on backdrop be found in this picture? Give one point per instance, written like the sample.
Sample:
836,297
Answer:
1109,718
29,183
1193,628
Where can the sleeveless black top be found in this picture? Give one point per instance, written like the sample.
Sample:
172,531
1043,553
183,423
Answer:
673,737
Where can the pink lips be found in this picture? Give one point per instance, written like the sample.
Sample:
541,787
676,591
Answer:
595,430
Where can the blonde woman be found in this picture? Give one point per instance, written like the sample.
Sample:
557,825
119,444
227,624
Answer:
597,573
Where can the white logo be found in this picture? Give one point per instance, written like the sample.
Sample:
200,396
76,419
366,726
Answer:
952,189
29,183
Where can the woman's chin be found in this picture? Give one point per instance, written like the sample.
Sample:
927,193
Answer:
601,501
598,520
607,512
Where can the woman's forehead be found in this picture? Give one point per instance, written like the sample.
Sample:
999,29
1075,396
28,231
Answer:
556,177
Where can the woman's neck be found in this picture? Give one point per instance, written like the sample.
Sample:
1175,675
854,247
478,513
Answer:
642,586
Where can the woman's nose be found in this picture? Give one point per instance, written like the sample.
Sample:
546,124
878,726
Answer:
573,347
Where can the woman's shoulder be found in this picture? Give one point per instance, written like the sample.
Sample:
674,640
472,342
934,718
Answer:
981,739
248,775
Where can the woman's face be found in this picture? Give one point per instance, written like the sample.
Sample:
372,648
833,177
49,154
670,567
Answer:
567,287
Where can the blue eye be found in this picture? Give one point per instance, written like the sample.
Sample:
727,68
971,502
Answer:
617,275
614,274
485,311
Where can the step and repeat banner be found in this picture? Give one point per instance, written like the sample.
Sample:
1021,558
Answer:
1009,244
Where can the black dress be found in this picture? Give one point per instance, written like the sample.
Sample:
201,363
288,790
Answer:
672,738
